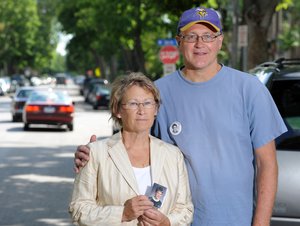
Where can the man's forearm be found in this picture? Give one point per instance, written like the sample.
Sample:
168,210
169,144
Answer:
267,177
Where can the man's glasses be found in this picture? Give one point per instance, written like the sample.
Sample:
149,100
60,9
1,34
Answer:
133,105
191,38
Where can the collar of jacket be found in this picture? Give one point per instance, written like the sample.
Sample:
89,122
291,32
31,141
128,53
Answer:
119,156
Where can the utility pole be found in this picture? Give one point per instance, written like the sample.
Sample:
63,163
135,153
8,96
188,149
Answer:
234,41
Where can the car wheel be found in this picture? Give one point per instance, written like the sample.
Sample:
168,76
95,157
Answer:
14,118
95,106
26,126
70,127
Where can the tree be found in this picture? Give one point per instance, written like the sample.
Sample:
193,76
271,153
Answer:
118,36
18,35
25,34
258,17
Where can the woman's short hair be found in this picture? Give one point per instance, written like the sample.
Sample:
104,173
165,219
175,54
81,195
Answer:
122,84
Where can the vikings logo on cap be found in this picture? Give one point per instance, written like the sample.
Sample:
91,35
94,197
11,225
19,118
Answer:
199,15
202,12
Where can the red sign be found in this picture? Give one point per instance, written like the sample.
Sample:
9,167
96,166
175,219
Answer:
169,54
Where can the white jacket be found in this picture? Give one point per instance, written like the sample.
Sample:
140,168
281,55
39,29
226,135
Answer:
107,181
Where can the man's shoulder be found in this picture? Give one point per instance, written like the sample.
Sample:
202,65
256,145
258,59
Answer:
241,77
165,79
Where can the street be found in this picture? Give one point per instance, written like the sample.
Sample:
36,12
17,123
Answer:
36,166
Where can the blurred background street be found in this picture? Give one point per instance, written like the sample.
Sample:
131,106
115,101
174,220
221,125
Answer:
36,166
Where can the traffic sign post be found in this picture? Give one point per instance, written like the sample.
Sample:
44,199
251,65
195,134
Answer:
169,68
169,55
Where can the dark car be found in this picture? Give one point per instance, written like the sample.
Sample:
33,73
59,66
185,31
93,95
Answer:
18,101
62,79
18,81
99,96
282,77
89,84
50,108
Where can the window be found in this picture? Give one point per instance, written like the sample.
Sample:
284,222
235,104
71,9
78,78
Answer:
286,94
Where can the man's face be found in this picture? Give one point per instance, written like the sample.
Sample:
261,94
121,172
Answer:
199,55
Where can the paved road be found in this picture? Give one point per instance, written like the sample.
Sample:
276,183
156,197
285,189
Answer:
36,166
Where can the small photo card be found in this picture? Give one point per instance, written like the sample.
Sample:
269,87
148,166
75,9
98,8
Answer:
157,195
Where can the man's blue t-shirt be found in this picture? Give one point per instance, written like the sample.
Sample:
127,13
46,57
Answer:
217,125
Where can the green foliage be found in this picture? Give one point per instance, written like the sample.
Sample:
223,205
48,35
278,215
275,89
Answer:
114,35
25,34
283,5
290,36
58,63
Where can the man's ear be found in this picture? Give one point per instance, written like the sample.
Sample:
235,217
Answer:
178,40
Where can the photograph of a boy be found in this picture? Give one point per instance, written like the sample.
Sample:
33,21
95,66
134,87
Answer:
158,193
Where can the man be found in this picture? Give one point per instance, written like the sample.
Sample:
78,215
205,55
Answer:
227,123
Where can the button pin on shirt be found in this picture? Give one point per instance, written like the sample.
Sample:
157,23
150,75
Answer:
175,128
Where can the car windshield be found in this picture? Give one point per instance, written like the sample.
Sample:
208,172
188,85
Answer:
49,97
286,94
24,93
103,89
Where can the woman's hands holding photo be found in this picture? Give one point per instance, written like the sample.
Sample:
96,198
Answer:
135,207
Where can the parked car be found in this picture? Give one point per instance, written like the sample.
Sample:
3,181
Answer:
99,96
89,84
62,79
18,81
18,101
51,107
282,77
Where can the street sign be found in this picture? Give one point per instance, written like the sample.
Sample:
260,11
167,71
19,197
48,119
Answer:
169,54
243,35
167,42
169,68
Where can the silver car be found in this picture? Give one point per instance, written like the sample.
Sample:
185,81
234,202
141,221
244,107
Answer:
282,78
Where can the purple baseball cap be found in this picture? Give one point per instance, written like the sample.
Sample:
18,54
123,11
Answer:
199,15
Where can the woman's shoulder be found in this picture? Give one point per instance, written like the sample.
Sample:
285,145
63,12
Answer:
170,148
99,147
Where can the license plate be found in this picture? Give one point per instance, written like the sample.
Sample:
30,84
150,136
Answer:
49,109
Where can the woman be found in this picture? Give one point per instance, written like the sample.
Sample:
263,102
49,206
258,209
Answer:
112,188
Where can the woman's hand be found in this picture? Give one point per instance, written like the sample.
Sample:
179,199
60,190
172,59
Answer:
135,207
153,217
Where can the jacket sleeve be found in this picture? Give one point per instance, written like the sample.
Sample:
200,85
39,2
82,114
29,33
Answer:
84,206
182,213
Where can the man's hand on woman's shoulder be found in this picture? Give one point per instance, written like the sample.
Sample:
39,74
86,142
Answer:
82,155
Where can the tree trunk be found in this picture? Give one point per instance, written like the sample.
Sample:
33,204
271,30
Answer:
258,15
257,46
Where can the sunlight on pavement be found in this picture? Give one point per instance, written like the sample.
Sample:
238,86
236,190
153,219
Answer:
65,155
57,222
42,178
33,210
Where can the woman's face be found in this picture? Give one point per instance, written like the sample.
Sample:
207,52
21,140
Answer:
138,110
